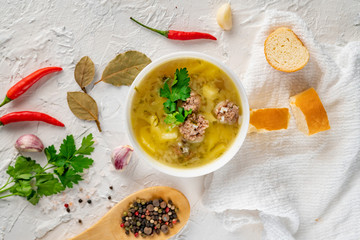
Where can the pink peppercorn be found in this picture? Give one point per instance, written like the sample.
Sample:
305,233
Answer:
136,234
137,213
122,225
167,209
66,205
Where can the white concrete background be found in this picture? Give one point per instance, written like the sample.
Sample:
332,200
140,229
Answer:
35,34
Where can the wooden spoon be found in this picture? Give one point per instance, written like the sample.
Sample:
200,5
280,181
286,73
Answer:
108,227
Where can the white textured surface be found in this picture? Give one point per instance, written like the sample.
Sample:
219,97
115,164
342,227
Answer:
36,34
294,184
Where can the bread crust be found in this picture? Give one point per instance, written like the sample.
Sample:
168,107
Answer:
284,69
268,119
315,116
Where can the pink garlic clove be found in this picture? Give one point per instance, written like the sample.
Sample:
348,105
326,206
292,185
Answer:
120,156
29,143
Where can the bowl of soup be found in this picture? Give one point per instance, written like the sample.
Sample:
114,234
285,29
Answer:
187,114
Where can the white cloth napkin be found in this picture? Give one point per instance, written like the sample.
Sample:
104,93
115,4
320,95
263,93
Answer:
298,186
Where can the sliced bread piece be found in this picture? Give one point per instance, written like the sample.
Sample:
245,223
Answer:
284,51
268,119
309,112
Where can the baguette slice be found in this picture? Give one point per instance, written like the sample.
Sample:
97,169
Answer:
284,51
309,112
268,119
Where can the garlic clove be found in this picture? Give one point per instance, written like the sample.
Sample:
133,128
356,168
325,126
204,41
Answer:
120,156
29,143
223,17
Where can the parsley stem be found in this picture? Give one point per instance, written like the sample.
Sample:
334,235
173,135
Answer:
49,167
6,189
7,183
41,174
7,196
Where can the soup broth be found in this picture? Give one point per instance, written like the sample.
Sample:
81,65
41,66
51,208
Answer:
163,141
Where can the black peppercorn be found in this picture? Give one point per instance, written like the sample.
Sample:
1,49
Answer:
80,221
111,187
80,200
89,201
165,229
68,210
109,197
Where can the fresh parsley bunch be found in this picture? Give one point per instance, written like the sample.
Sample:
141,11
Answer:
33,181
179,90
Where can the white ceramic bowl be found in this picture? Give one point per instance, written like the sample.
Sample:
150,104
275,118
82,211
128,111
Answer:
216,163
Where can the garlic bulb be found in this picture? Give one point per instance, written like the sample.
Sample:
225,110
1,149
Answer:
29,143
120,156
223,17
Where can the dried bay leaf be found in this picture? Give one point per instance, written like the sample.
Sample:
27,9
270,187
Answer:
124,68
84,72
83,106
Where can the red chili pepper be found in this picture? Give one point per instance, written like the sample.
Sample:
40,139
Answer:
24,84
179,35
29,116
